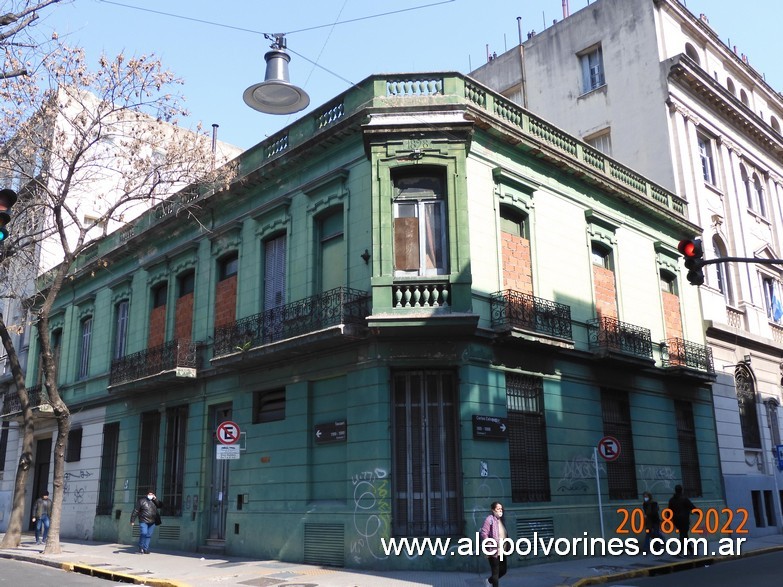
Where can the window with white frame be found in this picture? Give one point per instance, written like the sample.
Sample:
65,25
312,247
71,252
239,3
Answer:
420,236
705,155
722,278
772,299
601,141
84,348
592,63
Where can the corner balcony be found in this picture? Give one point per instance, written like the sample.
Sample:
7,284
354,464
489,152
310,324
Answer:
39,402
687,359
172,363
320,321
531,318
609,338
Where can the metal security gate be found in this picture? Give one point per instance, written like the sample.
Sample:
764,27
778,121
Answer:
426,459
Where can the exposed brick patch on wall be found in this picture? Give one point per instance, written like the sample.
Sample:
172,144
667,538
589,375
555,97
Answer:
671,315
157,334
226,301
517,266
605,292
183,321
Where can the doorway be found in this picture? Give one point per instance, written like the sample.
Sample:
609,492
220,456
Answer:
220,476
43,458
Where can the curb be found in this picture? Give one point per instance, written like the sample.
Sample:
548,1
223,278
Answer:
94,571
670,567
120,577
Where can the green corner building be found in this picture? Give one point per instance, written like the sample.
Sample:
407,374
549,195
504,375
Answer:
416,300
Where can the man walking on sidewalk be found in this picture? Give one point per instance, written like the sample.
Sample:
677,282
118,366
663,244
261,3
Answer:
147,510
42,509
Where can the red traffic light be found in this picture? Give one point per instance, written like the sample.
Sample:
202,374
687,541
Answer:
691,248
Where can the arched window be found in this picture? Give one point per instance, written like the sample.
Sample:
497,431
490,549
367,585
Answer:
691,52
746,399
721,276
601,255
759,195
746,182
744,98
731,87
775,123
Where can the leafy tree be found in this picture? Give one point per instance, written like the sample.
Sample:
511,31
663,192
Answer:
92,149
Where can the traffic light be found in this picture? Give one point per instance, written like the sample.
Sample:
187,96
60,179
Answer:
693,252
7,199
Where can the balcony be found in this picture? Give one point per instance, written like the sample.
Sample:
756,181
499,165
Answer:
173,362
687,358
522,314
611,338
39,402
307,324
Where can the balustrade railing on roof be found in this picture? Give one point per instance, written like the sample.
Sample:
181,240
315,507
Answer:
341,305
528,312
173,355
610,334
432,91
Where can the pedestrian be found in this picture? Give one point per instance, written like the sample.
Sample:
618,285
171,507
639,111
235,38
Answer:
652,520
493,528
148,511
681,508
42,509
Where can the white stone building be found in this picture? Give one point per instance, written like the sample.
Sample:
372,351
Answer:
654,86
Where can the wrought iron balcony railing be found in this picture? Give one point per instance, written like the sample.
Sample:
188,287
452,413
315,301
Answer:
610,334
177,355
676,352
341,305
527,312
37,397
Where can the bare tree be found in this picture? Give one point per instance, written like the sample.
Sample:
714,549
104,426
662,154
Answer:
96,148
15,19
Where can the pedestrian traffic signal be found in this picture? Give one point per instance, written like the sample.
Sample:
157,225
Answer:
693,252
7,199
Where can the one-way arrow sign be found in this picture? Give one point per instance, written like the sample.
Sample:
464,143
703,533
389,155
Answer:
331,432
489,427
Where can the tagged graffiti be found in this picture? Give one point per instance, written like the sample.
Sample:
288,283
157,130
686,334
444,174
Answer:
656,476
371,513
577,474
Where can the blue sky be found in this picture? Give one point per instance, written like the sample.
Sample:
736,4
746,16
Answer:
218,62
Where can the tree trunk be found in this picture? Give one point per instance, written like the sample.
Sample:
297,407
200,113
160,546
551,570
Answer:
13,535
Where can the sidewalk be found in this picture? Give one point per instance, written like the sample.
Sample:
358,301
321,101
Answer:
120,563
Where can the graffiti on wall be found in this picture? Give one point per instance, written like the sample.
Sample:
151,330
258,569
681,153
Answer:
72,492
578,474
655,477
371,513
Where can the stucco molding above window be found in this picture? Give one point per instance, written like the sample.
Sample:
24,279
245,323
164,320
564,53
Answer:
269,226
514,189
667,257
601,228
227,241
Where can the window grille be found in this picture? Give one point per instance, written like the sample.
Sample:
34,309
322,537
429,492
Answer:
620,473
527,441
148,453
746,400
111,440
689,453
174,468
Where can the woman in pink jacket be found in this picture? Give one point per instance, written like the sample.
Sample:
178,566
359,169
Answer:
493,528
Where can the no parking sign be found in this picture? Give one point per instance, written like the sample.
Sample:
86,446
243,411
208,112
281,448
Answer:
609,448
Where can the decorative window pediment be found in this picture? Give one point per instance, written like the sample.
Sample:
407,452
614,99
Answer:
601,228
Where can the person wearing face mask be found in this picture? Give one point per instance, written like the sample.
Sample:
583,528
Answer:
652,520
493,528
148,511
